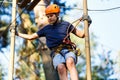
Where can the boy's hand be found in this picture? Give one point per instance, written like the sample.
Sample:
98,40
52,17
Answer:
16,32
87,17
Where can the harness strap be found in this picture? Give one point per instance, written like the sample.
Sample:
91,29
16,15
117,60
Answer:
60,47
57,50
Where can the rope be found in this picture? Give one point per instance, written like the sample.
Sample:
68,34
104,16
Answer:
80,19
108,9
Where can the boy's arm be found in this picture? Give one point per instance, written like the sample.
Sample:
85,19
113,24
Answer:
27,36
81,33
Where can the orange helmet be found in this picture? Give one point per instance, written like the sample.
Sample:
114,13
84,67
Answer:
53,8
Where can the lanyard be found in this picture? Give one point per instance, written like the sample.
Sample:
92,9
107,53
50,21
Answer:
68,33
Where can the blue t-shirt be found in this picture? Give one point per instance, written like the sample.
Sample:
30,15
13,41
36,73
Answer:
55,33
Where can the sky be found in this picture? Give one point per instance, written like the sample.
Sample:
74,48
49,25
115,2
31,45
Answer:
105,24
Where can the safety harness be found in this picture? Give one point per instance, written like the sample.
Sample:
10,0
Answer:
67,42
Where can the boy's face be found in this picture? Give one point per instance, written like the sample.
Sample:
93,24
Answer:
51,18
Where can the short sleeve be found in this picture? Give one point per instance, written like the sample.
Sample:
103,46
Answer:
41,33
71,28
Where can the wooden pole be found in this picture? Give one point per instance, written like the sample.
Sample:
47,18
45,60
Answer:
12,45
87,43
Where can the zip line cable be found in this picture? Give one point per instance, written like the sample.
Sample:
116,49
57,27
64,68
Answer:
105,9
109,9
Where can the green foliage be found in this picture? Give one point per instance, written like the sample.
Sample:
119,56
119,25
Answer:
3,36
4,22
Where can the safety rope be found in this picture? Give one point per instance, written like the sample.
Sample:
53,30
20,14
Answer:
68,33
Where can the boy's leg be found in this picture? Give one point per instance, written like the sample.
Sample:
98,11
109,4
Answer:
62,72
58,62
72,68
71,60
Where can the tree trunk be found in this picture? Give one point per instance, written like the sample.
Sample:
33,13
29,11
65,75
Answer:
50,72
